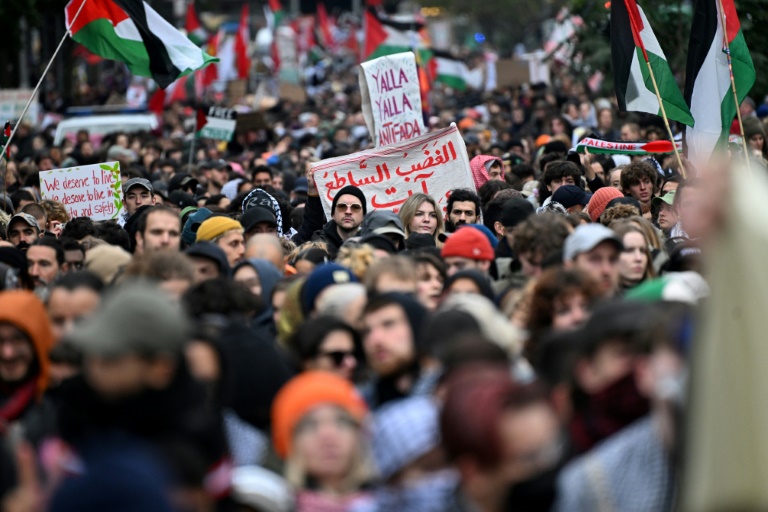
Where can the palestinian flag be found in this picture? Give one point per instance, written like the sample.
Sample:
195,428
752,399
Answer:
325,27
387,36
633,45
242,39
182,90
708,82
195,31
132,32
449,70
610,147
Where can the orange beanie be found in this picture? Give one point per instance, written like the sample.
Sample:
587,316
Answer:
304,392
600,200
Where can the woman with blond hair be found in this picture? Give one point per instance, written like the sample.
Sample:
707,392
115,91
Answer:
421,214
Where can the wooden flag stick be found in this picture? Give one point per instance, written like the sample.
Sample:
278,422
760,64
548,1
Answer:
744,140
666,121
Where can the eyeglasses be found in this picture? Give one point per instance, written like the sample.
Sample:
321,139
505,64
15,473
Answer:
338,356
342,207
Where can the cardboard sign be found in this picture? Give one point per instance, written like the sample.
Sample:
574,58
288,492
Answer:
392,98
512,73
433,164
293,93
216,123
94,191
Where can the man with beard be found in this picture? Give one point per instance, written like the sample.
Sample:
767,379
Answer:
463,208
633,469
392,326
23,228
45,262
347,212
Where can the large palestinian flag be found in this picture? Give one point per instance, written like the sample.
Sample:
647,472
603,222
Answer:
131,32
708,88
633,45
389,35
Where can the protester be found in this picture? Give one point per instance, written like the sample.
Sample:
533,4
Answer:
327,344
467,248
318,430
595,250
463,208
635,261
225,233
24,373
421,214
348,209
392,330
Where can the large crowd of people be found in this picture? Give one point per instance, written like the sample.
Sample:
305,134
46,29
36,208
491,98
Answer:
224,345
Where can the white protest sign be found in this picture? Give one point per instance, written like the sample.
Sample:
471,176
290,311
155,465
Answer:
433,164
12,102
93,191
392,98
216,123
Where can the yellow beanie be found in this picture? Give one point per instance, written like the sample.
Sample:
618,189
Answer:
215,227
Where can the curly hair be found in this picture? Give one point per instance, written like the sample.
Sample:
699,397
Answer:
541,235
620,211
555,285
356,258
54,210
634,173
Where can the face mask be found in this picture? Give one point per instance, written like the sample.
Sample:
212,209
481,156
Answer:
535,494
606,412
427,494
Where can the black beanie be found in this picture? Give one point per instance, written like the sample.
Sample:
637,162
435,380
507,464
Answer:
415,313
352,190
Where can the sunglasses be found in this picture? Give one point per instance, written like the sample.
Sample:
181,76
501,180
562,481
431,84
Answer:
338,356
342,207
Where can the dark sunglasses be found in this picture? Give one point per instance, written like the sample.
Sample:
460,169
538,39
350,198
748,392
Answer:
342,207
338,356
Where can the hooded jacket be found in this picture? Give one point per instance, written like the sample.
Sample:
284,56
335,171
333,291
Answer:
24,310
268,276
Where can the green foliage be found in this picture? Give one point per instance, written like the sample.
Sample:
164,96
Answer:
671,21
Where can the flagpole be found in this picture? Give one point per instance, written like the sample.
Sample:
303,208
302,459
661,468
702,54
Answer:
666,120
733,85
42,77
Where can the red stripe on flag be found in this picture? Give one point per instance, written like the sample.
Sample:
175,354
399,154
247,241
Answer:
636,22
192,22
732,24
241,45
275,5
375,34
93,10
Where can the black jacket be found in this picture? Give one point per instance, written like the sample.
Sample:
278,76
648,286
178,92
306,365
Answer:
330,235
